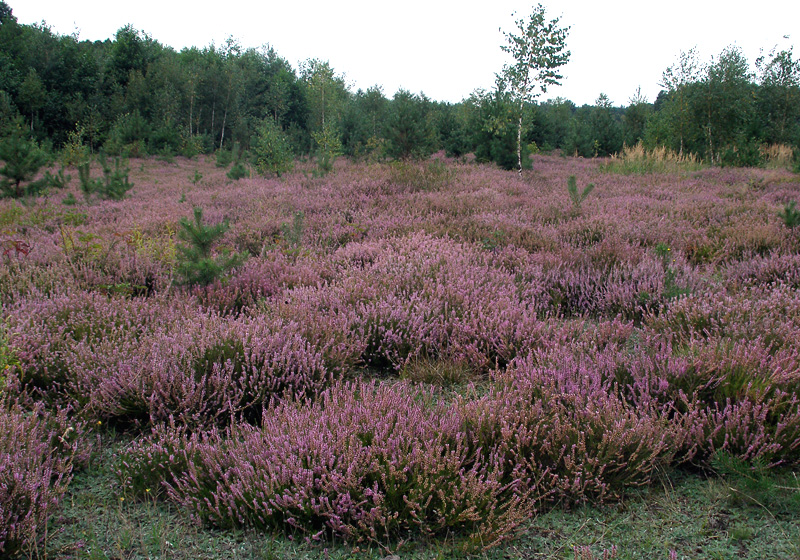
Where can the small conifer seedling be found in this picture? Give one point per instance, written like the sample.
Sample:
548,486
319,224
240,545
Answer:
577,197
790,215
22,160
197,265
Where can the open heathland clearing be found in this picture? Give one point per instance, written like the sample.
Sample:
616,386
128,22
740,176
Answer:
422,359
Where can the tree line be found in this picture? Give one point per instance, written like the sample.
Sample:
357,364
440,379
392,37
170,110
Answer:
133,96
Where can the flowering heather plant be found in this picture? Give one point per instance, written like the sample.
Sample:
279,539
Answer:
136,360
364,461
565,423
47,331
732,388
259,280
769,313
37,450
763,270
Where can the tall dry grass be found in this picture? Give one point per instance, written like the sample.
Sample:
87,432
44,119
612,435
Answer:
777,156
639,160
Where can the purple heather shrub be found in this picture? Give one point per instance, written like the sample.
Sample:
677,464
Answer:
420,296
564,422
734,395
228,370
24,279
775,268
258,280
770,313
579,286
46,330
37,451
149,359
746,430
363,461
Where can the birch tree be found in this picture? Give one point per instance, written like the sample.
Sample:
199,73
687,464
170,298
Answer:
538,51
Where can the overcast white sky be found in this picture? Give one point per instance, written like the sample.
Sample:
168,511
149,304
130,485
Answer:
446,48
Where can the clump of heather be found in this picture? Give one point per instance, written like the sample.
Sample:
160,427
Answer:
367,461
770,313
763,270
563,422
37,450
50,330
416,297
228,370
140,361
729,372
363,462
259,280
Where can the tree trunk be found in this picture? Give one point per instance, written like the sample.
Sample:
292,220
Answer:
227,106
710,141
519,144
213,111
222,134
191,113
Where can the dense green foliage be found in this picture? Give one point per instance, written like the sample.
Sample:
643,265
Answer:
133,96
271,150
790,215
115,183
577,197
23,159
197,262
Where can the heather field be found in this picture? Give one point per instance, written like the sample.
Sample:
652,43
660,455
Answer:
410,360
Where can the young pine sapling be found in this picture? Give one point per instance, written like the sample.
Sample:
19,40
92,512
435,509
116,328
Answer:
22,160
576,197
114,185
790,215
197,265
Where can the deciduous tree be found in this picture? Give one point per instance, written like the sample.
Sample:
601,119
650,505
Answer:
538,51
778,103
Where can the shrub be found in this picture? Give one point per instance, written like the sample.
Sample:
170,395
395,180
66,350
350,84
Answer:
271,150
329,146
74,151
128,136
237,171
210,373
22,158
563,423
36,456
114,185
196,263
8,358
362,462
293,233
407,176
576,197
224,157
790,215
